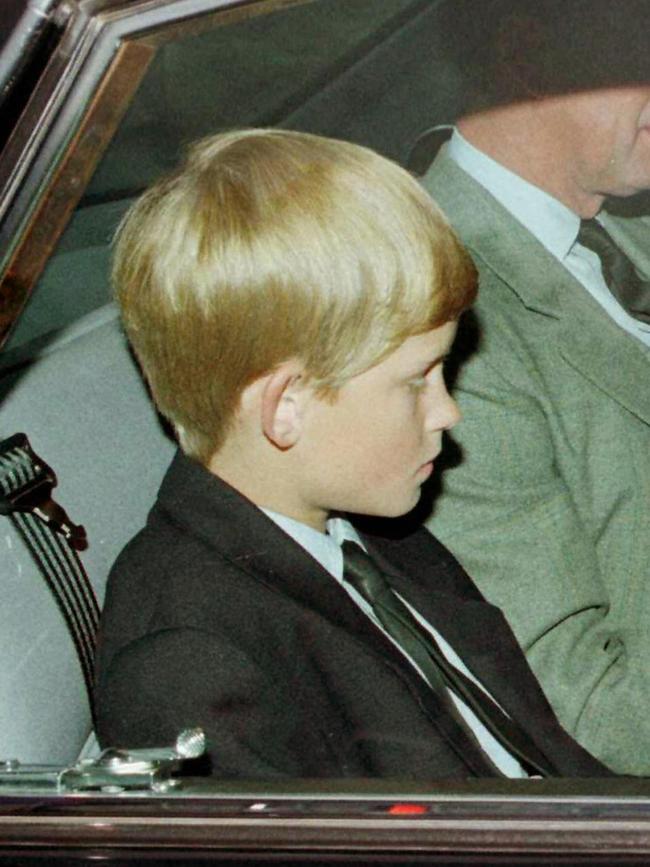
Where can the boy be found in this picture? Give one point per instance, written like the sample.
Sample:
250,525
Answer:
291,300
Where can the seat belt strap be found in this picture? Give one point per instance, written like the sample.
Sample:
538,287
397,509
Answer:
26,484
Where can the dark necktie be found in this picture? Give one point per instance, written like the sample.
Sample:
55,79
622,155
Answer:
364,575
621,277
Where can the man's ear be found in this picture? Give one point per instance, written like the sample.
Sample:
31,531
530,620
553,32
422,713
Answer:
283,399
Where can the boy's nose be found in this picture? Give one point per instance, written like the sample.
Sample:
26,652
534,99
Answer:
444,413
454,414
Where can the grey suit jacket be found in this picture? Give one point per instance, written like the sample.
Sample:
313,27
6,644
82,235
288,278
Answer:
549,506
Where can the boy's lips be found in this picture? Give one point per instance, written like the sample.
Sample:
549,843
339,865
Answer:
427,467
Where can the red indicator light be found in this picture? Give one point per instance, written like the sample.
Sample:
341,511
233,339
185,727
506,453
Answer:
407,809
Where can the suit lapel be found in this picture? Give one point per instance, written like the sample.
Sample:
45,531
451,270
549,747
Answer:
245,536
478,632
633,237
474,628
587,338
226,521
612,360
248,538
495,237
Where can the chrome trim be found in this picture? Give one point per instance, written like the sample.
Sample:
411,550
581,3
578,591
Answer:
478,819
25,38
41,153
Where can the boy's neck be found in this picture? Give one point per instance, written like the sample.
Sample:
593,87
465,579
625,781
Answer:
267,479
282,519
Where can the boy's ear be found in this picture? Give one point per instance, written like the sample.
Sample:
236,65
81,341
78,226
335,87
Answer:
283,399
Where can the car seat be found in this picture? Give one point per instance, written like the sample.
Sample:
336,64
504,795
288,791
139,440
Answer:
82,402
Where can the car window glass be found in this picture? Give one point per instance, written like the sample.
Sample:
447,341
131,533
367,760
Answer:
361,71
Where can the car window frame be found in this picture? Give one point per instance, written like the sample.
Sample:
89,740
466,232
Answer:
103,53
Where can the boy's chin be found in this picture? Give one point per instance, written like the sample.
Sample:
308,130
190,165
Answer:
393,509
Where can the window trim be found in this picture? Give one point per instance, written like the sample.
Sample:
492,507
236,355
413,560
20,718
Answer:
549,819
87,86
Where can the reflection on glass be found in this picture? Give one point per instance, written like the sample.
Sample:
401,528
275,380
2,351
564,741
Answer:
367,71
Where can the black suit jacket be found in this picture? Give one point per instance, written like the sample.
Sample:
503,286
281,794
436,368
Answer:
214,617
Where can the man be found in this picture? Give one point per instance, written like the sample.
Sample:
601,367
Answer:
556,531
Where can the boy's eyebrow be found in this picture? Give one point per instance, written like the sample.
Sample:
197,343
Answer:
425,365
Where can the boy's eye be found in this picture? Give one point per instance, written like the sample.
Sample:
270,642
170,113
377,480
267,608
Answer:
418,383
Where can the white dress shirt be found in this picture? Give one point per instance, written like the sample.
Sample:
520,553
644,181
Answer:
326,549
552,223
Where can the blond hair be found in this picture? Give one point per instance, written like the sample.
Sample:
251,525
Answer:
268,245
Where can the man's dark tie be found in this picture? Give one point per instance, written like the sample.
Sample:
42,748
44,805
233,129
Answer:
623,281
364,575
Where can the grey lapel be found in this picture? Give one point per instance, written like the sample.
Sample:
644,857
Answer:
632,236
588,339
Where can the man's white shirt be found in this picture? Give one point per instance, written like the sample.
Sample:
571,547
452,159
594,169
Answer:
553,224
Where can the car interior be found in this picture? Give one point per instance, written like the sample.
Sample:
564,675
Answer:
371,71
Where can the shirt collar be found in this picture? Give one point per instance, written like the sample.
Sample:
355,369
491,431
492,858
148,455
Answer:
323,547
550,221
